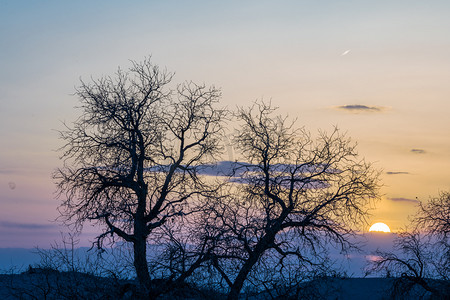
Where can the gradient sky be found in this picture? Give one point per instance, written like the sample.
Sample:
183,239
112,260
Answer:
379,70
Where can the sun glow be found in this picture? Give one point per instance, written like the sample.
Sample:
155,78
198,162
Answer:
379,227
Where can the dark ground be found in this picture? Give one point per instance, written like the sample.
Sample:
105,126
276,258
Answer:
51,284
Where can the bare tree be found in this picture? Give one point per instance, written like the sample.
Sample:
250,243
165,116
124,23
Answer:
130,159
415,262
421,258
289,197
66,272
434,217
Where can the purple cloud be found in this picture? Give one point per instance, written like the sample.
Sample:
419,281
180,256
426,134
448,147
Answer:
17,225
418,151
360,108
397,173
400,199
6,171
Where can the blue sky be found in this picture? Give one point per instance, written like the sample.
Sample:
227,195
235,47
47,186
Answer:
309,57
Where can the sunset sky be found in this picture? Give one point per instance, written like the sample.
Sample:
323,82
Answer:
379,70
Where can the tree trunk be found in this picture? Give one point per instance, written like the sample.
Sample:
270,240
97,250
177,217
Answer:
262,246
140,242
140,264
238,283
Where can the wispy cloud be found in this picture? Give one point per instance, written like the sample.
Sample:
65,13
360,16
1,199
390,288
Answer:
356,108
18,225
400,199
397,173
6,171
418,151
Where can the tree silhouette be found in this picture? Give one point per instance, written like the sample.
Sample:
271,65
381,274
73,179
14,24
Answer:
290,196
421,257
434,216
131,158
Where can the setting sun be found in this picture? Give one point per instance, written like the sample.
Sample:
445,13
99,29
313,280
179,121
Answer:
379,227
